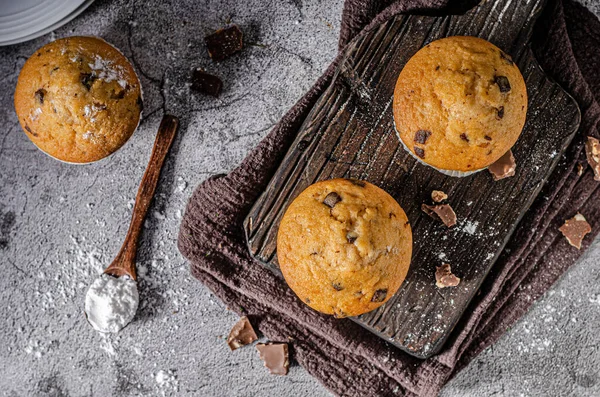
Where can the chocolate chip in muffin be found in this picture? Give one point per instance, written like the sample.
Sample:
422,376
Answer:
139,103
332,199
379,295
87,79
420,152
503,83
421,136
337,286
351,237
39,95
444,277
30,131
487,138
357,182
224,42
464,137
500,113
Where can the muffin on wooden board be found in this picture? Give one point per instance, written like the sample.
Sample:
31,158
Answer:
344,246
459,104
78,99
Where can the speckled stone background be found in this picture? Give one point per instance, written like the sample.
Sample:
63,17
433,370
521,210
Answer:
60,225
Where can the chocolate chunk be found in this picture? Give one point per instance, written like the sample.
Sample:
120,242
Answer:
357,182
307,300
464,137
351,237
118,94
224,42
500,112
437,67
275,356
442,212
592,152
438,196
505,57
575,230
241,334
379,295
39,95
87,79
487,138
504,167
421,136
332,199
444,277
503,83
206,83
337,286
419,152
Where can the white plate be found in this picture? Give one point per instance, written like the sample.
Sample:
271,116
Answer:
24,20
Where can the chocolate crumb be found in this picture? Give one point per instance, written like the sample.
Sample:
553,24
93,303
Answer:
500,112
241,334
351,237
392,215
39,95
444,277
87,79
504,167
438,196
357,182
592,152
442,212
224,42
575,230
464,137
419,152
421,136
206,83
332,199
275,357
337,286
379,295
503,83
579,169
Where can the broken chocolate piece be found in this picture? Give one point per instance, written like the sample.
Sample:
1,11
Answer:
444,277
500,112
224,42
379,295
420,152
503,83
575,230
579,169
87,79
206,83
504,167
442,212
464,137
241,334
332,199
351,237
39,95
592,152
275,356
421,136
337,286
438,196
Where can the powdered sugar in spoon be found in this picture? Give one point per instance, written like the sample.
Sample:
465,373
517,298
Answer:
112,300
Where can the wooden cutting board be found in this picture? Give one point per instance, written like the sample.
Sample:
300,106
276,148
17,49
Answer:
350,133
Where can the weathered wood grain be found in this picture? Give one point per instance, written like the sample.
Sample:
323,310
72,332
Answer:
350,133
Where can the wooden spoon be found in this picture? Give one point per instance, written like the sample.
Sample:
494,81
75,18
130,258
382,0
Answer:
124,263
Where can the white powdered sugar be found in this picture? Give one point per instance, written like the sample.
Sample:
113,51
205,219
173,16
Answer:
111,302
108,72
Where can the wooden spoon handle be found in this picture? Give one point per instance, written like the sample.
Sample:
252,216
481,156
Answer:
124,263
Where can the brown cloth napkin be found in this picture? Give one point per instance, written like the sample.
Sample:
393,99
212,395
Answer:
347,359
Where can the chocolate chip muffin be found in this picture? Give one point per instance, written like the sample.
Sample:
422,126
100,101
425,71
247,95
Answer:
459,104
344,246
78,99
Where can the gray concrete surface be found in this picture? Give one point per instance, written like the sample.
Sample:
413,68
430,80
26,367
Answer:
61,224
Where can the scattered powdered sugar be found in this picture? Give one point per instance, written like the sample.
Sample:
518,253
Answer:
470,227
107,71
111,302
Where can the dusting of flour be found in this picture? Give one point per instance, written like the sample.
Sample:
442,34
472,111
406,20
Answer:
111,302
